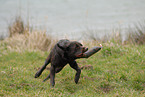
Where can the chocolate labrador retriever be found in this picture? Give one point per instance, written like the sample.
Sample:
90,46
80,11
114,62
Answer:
64,52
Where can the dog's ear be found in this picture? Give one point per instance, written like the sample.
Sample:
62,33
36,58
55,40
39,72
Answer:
64,44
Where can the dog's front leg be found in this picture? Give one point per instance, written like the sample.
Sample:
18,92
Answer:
75,66
52,76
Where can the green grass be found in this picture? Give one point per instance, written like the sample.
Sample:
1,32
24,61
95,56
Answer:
118,70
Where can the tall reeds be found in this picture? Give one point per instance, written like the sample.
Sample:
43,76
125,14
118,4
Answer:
20,38
137,36
95,35
17,27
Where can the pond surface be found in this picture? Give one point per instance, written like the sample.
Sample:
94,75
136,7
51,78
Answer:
70,18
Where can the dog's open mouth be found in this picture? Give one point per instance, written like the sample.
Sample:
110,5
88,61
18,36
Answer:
81,54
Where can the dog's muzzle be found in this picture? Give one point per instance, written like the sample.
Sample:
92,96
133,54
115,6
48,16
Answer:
83,51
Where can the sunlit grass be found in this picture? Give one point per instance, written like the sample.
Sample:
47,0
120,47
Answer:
117,71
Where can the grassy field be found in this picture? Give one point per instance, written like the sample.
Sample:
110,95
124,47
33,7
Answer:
118,70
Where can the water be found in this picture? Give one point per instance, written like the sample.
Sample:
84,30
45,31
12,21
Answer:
69,18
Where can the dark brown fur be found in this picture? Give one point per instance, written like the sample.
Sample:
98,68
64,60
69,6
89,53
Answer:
64,52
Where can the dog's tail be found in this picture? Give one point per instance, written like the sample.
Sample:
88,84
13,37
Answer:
47,61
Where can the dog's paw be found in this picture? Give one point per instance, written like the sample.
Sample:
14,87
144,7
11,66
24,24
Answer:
44,80
76,80
37,75
77,77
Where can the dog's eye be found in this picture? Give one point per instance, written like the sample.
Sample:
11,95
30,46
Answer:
77,47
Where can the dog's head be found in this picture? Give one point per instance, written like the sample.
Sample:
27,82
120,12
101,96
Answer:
72,49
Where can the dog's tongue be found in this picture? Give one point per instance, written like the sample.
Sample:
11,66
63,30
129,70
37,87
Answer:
80,55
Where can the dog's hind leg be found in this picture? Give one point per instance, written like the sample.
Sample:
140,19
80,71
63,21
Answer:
56,71
75,66
52,76
46,78
43,67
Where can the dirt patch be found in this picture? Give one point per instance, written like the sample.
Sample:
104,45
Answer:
106,87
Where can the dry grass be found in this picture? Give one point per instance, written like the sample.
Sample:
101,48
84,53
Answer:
137,36
17,27
30,41
1,38
94,35
20,38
